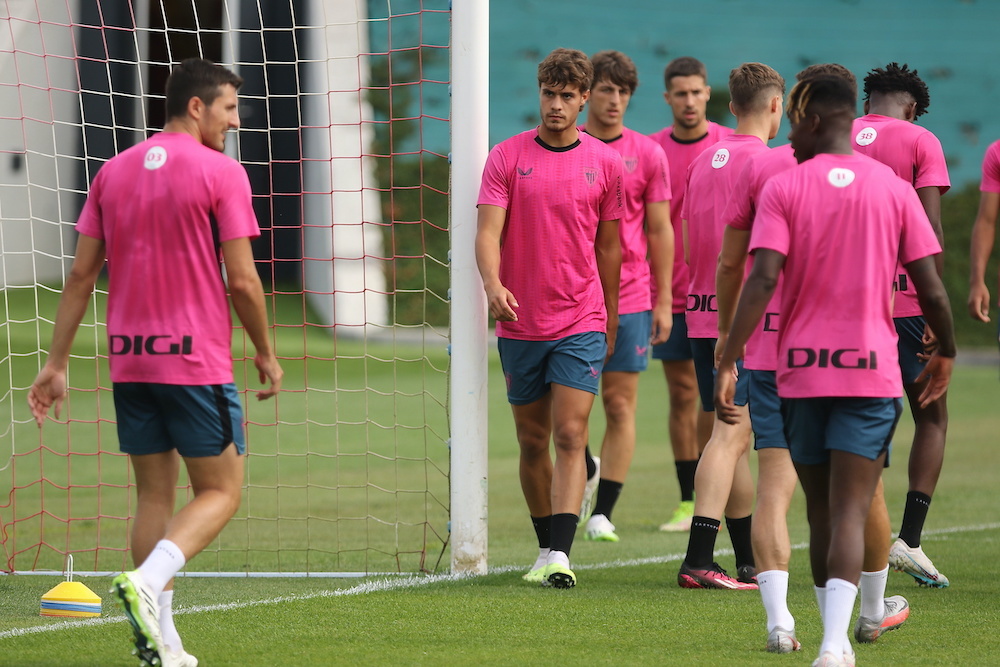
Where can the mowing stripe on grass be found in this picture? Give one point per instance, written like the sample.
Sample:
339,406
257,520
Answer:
398,583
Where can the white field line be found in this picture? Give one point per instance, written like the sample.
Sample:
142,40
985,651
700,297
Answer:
397,583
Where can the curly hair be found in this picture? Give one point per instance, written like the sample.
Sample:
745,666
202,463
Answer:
896,78
565,67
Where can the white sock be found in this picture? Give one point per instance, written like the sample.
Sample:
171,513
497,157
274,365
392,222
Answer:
167,628
821,601
559,557
161,565
773,586
840,598
542,560
872,589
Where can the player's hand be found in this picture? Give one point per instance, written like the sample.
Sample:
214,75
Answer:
502,304
268,369
612,335
663,323
48,389
720,346
725,395
930,343
937,373
979,302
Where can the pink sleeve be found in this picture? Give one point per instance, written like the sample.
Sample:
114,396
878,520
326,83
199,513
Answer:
932,169
770,228
991,169
90,223
234,204
917,239
658,181
737,213
494,190
613,204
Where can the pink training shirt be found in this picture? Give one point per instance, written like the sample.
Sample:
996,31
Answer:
680,153
991,169
646,182
712,177
554,198
162,208
915,154
842,222
762,348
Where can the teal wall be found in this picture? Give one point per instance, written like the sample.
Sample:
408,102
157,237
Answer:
955,44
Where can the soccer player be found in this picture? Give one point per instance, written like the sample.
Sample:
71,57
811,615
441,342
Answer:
549,255
687,94
644,229
160,213
776,479
756,92
984,234
895,97
836,226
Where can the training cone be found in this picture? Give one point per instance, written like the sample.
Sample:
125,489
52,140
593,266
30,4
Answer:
71,599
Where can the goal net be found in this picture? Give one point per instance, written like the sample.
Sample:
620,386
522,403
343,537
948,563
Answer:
345,138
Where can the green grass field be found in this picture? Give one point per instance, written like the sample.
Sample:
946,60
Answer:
626,609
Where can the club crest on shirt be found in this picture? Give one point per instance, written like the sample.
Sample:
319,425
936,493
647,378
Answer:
720,159
525,173
591,175
840,177
631,163
866,137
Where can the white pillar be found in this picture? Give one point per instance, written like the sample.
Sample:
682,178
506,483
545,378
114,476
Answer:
469,148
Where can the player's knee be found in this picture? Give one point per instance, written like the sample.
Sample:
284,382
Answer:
619,409
570,436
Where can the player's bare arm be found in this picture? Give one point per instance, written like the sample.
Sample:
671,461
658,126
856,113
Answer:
983,236
247,295
490,223
660,237
757,293
49,388
937,309
729,281
608,248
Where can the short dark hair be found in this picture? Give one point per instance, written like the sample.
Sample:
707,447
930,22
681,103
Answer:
896,78
827,91
829,68
565,67
751,84
196,77
617,68
684,66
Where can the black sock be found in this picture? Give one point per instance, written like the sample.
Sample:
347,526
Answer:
685,477
607,496
739,533
563,530
701,542
543,529
914,515
591,464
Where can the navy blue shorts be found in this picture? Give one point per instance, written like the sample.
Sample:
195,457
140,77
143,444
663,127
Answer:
911,342
703,350
765,411
530,366
632,343
196,420
862,426
677,347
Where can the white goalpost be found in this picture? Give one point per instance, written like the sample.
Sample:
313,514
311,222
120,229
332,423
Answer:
373,460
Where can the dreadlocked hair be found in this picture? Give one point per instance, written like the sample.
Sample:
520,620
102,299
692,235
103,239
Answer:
896,78
828,68
829,91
